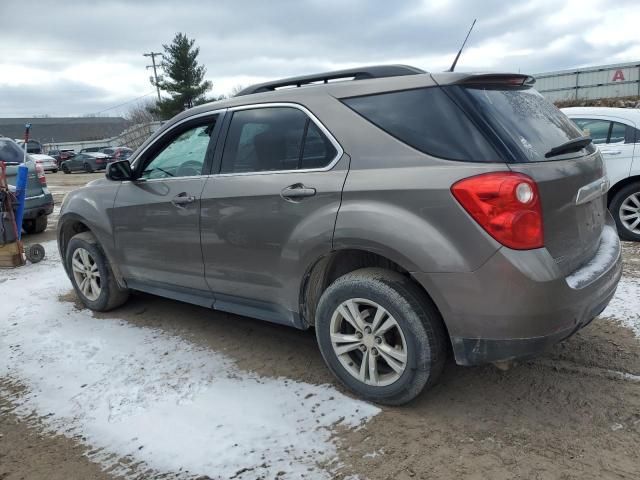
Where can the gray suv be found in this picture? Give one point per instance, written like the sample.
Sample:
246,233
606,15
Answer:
401,214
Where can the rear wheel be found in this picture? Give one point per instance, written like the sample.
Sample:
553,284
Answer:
625,208
87,168
37,225
55,170
380,335
91,274
65,169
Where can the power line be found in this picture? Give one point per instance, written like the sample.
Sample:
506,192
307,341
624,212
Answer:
124,103
155,72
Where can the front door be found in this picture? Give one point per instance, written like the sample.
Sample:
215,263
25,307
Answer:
616,142
156,217
271,209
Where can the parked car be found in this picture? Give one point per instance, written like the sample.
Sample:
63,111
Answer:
61,155
117,153
92,149
616,131
401,214
47,162
39,201
86,162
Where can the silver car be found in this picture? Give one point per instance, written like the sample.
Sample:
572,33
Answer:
401,214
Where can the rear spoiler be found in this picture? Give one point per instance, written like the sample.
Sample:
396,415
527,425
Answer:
498,79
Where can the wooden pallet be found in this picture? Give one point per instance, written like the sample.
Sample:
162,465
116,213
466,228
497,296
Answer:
11,255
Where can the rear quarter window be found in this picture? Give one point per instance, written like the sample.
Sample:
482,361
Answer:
524,120
10,152
427,120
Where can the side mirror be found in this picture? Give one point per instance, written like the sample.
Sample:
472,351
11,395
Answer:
119,171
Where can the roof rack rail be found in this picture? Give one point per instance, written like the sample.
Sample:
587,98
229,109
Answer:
363,73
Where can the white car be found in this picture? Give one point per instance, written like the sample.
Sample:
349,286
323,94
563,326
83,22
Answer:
616,131
48,163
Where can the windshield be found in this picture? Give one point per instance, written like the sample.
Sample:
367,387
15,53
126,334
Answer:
526,121
10,152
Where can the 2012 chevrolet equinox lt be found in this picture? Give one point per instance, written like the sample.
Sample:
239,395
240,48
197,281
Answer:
399,213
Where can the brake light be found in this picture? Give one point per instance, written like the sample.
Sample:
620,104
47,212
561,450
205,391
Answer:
506,205
40,173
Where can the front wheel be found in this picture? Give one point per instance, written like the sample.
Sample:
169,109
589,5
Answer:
380,335
65,169
91,274
625,208
87,168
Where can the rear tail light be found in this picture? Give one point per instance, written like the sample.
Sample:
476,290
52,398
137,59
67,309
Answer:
40,173
506,205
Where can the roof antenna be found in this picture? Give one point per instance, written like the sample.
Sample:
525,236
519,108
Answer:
453,65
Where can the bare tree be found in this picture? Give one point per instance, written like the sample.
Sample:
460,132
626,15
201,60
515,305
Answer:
236,89
142,112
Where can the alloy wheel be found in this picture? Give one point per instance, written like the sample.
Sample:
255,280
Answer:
368,342
630,213
86,274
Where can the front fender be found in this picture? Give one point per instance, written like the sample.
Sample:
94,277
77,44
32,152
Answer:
92,206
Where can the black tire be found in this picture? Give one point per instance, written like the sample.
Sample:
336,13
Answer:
614,207
87,168
65,169
38,225
35,253
416,316
111,295
54,171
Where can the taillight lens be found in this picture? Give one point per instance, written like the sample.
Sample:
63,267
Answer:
506,205
40,173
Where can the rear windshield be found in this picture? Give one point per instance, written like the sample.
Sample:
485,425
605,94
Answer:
10,152
427,120
525,120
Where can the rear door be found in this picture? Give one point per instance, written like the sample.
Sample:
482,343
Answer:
269,209
156,218
572,185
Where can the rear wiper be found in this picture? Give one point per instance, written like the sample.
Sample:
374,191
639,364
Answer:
571,146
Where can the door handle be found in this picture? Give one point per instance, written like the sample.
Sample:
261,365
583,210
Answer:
183,199
297,191
612,152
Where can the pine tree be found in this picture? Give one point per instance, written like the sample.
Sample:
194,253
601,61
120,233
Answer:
183,77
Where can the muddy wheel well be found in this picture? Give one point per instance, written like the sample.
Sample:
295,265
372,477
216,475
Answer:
330,267
68,230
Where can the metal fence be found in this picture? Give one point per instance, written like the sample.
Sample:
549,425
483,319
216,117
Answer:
606,81
132,137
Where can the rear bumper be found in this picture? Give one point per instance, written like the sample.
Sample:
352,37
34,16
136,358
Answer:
518,304
38,206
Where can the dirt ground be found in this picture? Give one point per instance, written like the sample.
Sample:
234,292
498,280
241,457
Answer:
573,413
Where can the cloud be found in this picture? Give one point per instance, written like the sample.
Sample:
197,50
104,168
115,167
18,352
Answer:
60,45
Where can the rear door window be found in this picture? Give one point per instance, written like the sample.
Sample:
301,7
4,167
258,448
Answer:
427,120
274,139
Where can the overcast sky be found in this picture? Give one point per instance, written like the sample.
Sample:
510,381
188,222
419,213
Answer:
81,57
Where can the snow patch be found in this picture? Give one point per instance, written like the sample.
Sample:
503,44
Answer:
625,305
140,394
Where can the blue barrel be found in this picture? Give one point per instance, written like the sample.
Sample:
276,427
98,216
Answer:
21,193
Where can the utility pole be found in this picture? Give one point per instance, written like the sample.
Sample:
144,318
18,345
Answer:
155,72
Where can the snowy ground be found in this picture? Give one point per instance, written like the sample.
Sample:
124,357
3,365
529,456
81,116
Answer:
144,396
